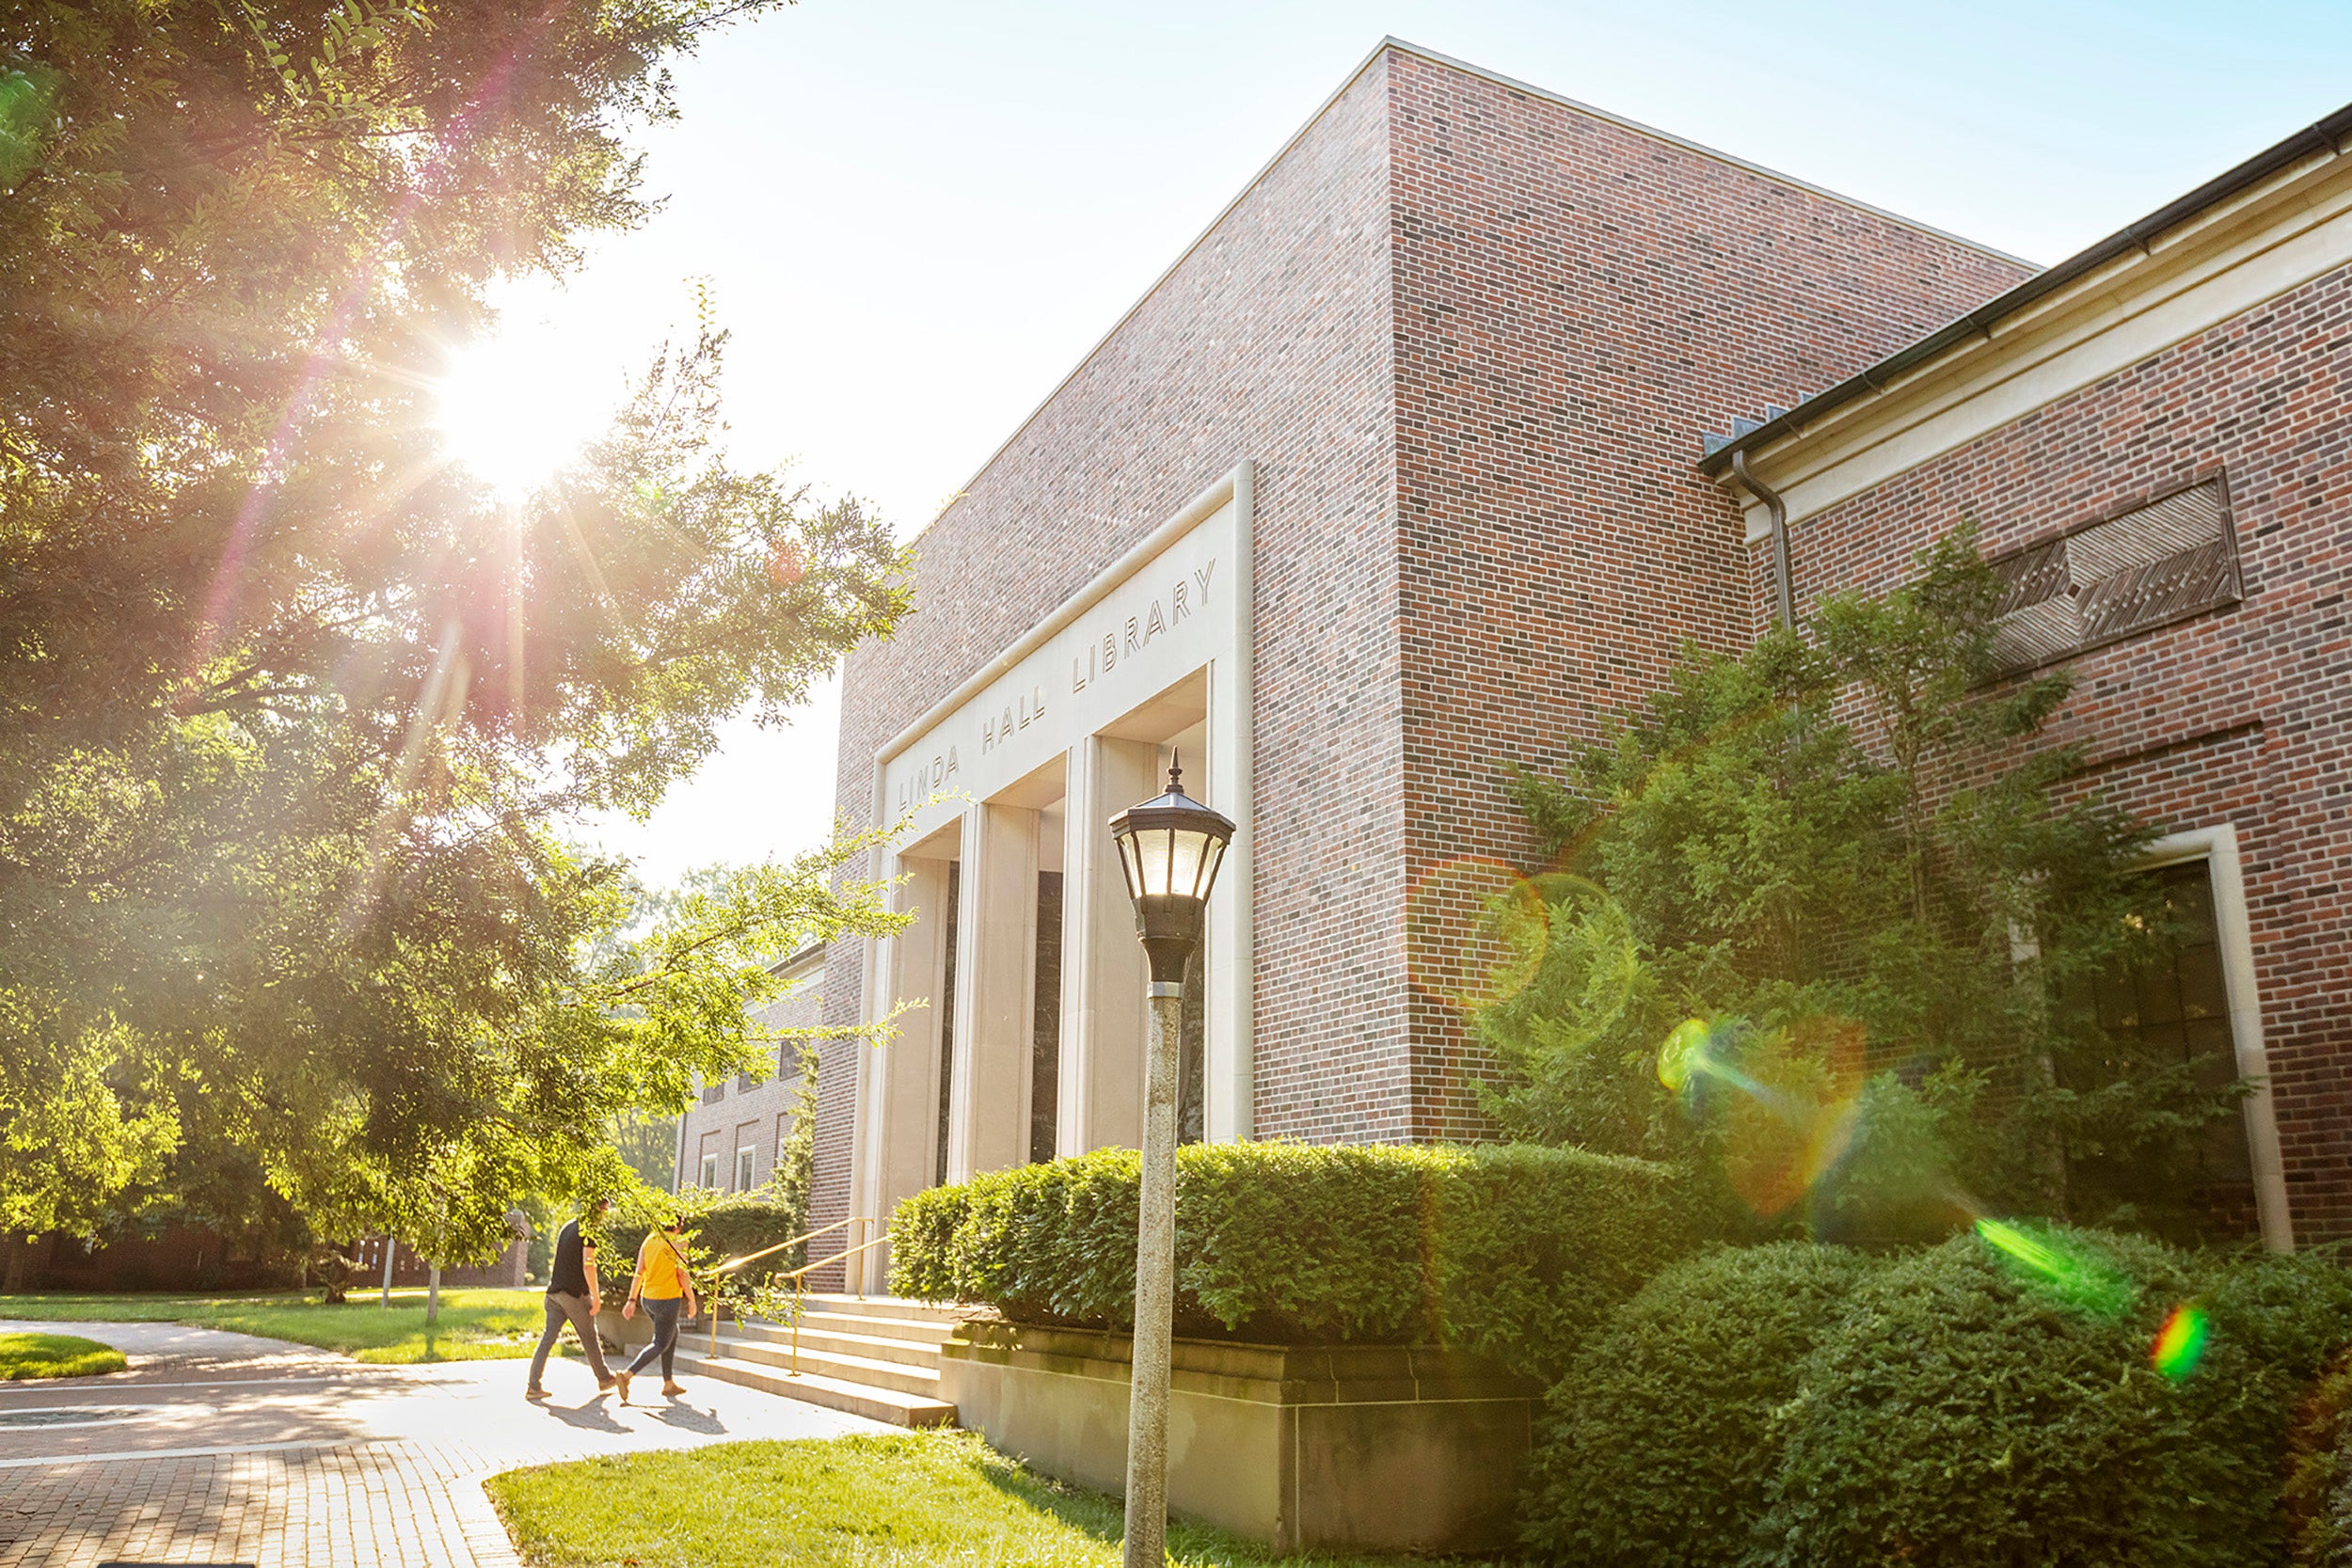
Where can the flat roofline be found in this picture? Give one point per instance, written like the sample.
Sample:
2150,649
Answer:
1388,44
801,959
2324,136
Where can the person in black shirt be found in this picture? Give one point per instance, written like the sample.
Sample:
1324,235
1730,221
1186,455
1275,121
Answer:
572,1297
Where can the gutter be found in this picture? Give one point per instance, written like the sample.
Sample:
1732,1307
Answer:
2327,135
1784,574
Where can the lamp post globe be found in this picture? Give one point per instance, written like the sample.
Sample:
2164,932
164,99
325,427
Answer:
1170,848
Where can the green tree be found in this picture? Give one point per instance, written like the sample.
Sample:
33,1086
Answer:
1816,914
293,714
647,1145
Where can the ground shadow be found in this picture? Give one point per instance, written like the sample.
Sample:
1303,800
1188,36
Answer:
1100,1517
685,1417
593,1417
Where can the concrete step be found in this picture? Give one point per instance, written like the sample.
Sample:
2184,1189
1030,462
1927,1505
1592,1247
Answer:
923,1336
894,1376
885,1307
835,1393
872,1347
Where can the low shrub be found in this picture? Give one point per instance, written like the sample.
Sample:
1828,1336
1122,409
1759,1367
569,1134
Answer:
1515,1253
1659,1445
716,1229
1967,1409
1968,1404
2319,1474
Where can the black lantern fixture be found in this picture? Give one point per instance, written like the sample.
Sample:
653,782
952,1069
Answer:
1171,847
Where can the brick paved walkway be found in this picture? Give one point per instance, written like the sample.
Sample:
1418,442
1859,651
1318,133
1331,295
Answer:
224,1449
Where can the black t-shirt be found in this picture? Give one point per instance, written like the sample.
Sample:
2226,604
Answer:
569,1277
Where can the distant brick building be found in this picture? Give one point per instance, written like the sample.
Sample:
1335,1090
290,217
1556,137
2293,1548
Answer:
730,1138
1396,475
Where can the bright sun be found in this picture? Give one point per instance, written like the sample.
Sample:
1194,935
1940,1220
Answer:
513,412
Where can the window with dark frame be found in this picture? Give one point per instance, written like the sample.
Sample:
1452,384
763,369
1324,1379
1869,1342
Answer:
2176,1007
1045,1020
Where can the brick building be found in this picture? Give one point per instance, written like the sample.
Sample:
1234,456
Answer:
1396,474
730,1139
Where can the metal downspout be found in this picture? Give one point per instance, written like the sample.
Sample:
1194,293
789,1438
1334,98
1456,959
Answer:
1784,592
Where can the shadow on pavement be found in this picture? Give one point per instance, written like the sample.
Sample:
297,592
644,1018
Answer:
593,1417
687,1418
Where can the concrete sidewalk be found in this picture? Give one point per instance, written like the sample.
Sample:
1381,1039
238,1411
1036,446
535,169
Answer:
220,1448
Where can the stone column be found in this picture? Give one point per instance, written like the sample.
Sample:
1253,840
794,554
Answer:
988,1105
899,1124
1104,973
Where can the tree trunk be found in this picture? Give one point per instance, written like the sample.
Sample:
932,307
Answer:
18,1255
433,1296
391,1250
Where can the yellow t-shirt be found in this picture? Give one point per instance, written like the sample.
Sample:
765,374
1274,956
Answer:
660,1267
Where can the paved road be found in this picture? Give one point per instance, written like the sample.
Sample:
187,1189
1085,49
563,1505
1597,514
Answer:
220,1448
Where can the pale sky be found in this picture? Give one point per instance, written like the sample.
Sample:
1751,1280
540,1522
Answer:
918,216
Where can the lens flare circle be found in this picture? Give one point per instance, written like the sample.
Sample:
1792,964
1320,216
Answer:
1684,1053
2180,1344
1474,932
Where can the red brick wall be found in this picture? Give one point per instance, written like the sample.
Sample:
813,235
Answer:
1470,337
2241,715
1576,301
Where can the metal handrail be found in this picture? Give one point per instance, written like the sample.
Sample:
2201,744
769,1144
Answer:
734,1263
798,1277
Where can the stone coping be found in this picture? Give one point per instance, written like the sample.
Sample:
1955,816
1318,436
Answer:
1261,1373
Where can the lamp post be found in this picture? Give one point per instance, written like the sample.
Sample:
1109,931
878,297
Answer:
1170,848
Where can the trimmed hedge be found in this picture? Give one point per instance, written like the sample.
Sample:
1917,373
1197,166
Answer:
1961,1413
1657,1447
1776,1406
2319,1474
1515,1253
716,1229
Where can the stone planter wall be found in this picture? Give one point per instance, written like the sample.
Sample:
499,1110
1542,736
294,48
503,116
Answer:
619,1333
1371,1447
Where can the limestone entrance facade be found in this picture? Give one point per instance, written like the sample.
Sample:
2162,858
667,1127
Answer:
1019,988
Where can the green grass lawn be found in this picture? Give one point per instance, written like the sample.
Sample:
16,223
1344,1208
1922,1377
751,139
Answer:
25,1355
474,1325
853,1502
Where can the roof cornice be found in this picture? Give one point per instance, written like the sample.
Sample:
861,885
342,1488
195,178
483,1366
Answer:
2326,138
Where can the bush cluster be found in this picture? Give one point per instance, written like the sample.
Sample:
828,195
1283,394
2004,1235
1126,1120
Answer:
1802,1404
2319,1476
1515,1253
716,1229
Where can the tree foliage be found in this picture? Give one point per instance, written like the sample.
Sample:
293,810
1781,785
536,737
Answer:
293,714
1816,916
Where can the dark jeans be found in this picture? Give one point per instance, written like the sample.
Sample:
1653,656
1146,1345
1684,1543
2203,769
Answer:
582,1314
664,1316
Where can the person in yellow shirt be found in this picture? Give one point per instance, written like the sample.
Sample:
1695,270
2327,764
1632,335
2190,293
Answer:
664,1284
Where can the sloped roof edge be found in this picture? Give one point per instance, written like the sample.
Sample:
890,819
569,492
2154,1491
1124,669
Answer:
2324,136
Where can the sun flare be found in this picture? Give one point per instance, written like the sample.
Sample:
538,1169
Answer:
512,412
